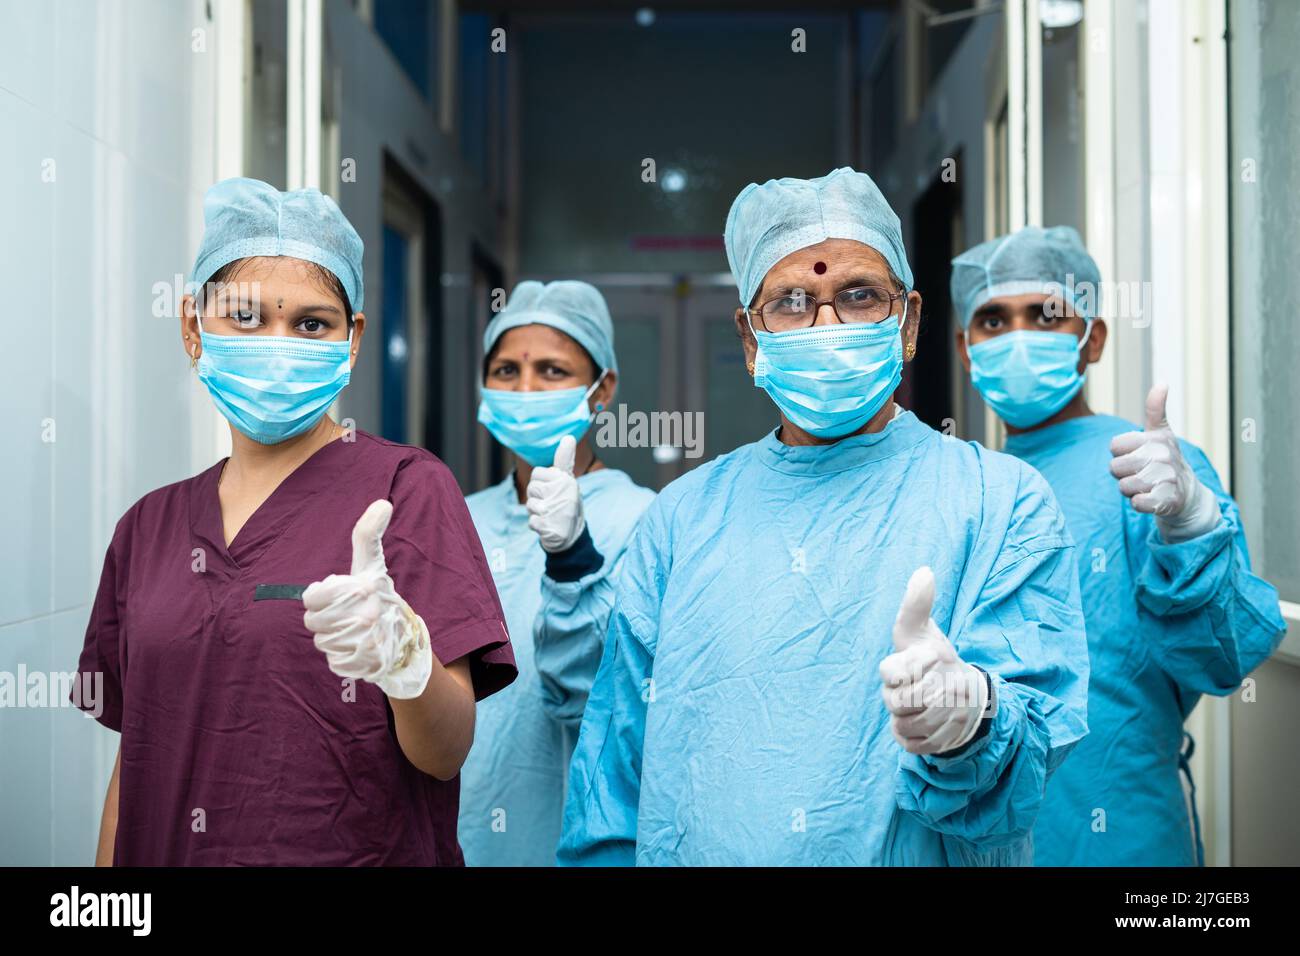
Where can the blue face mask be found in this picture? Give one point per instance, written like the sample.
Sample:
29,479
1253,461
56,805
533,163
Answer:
273,387
1027,377
531,424
831,380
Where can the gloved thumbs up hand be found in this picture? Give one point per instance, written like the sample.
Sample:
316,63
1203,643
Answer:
935,699
362,625
554,501
1155,477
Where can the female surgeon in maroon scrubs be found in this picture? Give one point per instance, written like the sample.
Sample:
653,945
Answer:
291,642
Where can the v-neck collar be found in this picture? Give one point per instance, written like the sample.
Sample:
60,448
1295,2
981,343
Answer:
273,515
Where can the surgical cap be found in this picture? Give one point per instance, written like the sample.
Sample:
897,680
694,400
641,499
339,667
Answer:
1050,261
247,217
575,308
768,222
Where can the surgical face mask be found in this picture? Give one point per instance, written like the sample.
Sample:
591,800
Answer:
273,387
1027,377
531,424
831,380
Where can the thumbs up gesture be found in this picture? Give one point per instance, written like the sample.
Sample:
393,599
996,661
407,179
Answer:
361,624
554,501
1156,478
935,699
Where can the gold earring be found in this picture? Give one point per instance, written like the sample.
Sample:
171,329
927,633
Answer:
194,358
910,352
749,367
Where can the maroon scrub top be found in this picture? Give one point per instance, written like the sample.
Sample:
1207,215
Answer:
239,744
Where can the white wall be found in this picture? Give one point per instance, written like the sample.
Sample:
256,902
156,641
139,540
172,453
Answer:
108,100
114,101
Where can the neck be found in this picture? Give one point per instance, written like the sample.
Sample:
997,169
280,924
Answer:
1077,407
253,463
791,434
584,461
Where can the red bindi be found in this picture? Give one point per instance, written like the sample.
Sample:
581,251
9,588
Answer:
819,268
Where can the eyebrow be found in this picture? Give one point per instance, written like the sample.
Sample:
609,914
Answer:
230,301
543,359
852,283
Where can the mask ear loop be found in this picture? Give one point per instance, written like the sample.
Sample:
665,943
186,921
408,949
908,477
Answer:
751,367
595,385
1087,331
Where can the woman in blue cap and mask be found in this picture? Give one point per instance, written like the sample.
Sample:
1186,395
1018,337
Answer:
1172,608
291,642
554,531
856,641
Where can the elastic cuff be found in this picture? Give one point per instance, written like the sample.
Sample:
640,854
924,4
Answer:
575,562
986,719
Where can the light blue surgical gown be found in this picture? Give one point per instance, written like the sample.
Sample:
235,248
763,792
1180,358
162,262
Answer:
1166,623
737,717
512,784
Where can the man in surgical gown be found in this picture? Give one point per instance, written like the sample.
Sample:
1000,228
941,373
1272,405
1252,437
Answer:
1173,610
744,712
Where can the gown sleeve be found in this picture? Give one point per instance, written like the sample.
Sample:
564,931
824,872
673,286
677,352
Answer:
1026,630
1210,621
436,561
600,812
568,636
101,655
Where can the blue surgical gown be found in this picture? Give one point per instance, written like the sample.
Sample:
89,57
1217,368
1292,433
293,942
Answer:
512,784
1166,623
737,718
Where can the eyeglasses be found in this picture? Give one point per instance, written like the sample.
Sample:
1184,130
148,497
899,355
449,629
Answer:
798,310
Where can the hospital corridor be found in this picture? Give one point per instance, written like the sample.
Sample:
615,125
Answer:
701,434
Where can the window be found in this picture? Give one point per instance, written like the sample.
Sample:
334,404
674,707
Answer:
266,120
404,26
1264,193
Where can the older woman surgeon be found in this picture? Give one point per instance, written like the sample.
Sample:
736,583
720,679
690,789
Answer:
252,732
554,530
856,641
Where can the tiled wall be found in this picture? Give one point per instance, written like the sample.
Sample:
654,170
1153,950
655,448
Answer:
105,149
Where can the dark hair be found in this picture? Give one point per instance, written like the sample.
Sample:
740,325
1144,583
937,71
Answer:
325,280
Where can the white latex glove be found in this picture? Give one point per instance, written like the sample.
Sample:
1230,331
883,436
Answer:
554,501
1154,475
361,624
935,699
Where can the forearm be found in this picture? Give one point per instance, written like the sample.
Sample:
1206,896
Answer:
108,821
436,729
568,639
1213,621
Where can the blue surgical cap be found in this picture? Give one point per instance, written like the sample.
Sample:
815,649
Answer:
1050,261
247,217
768,222
575,308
